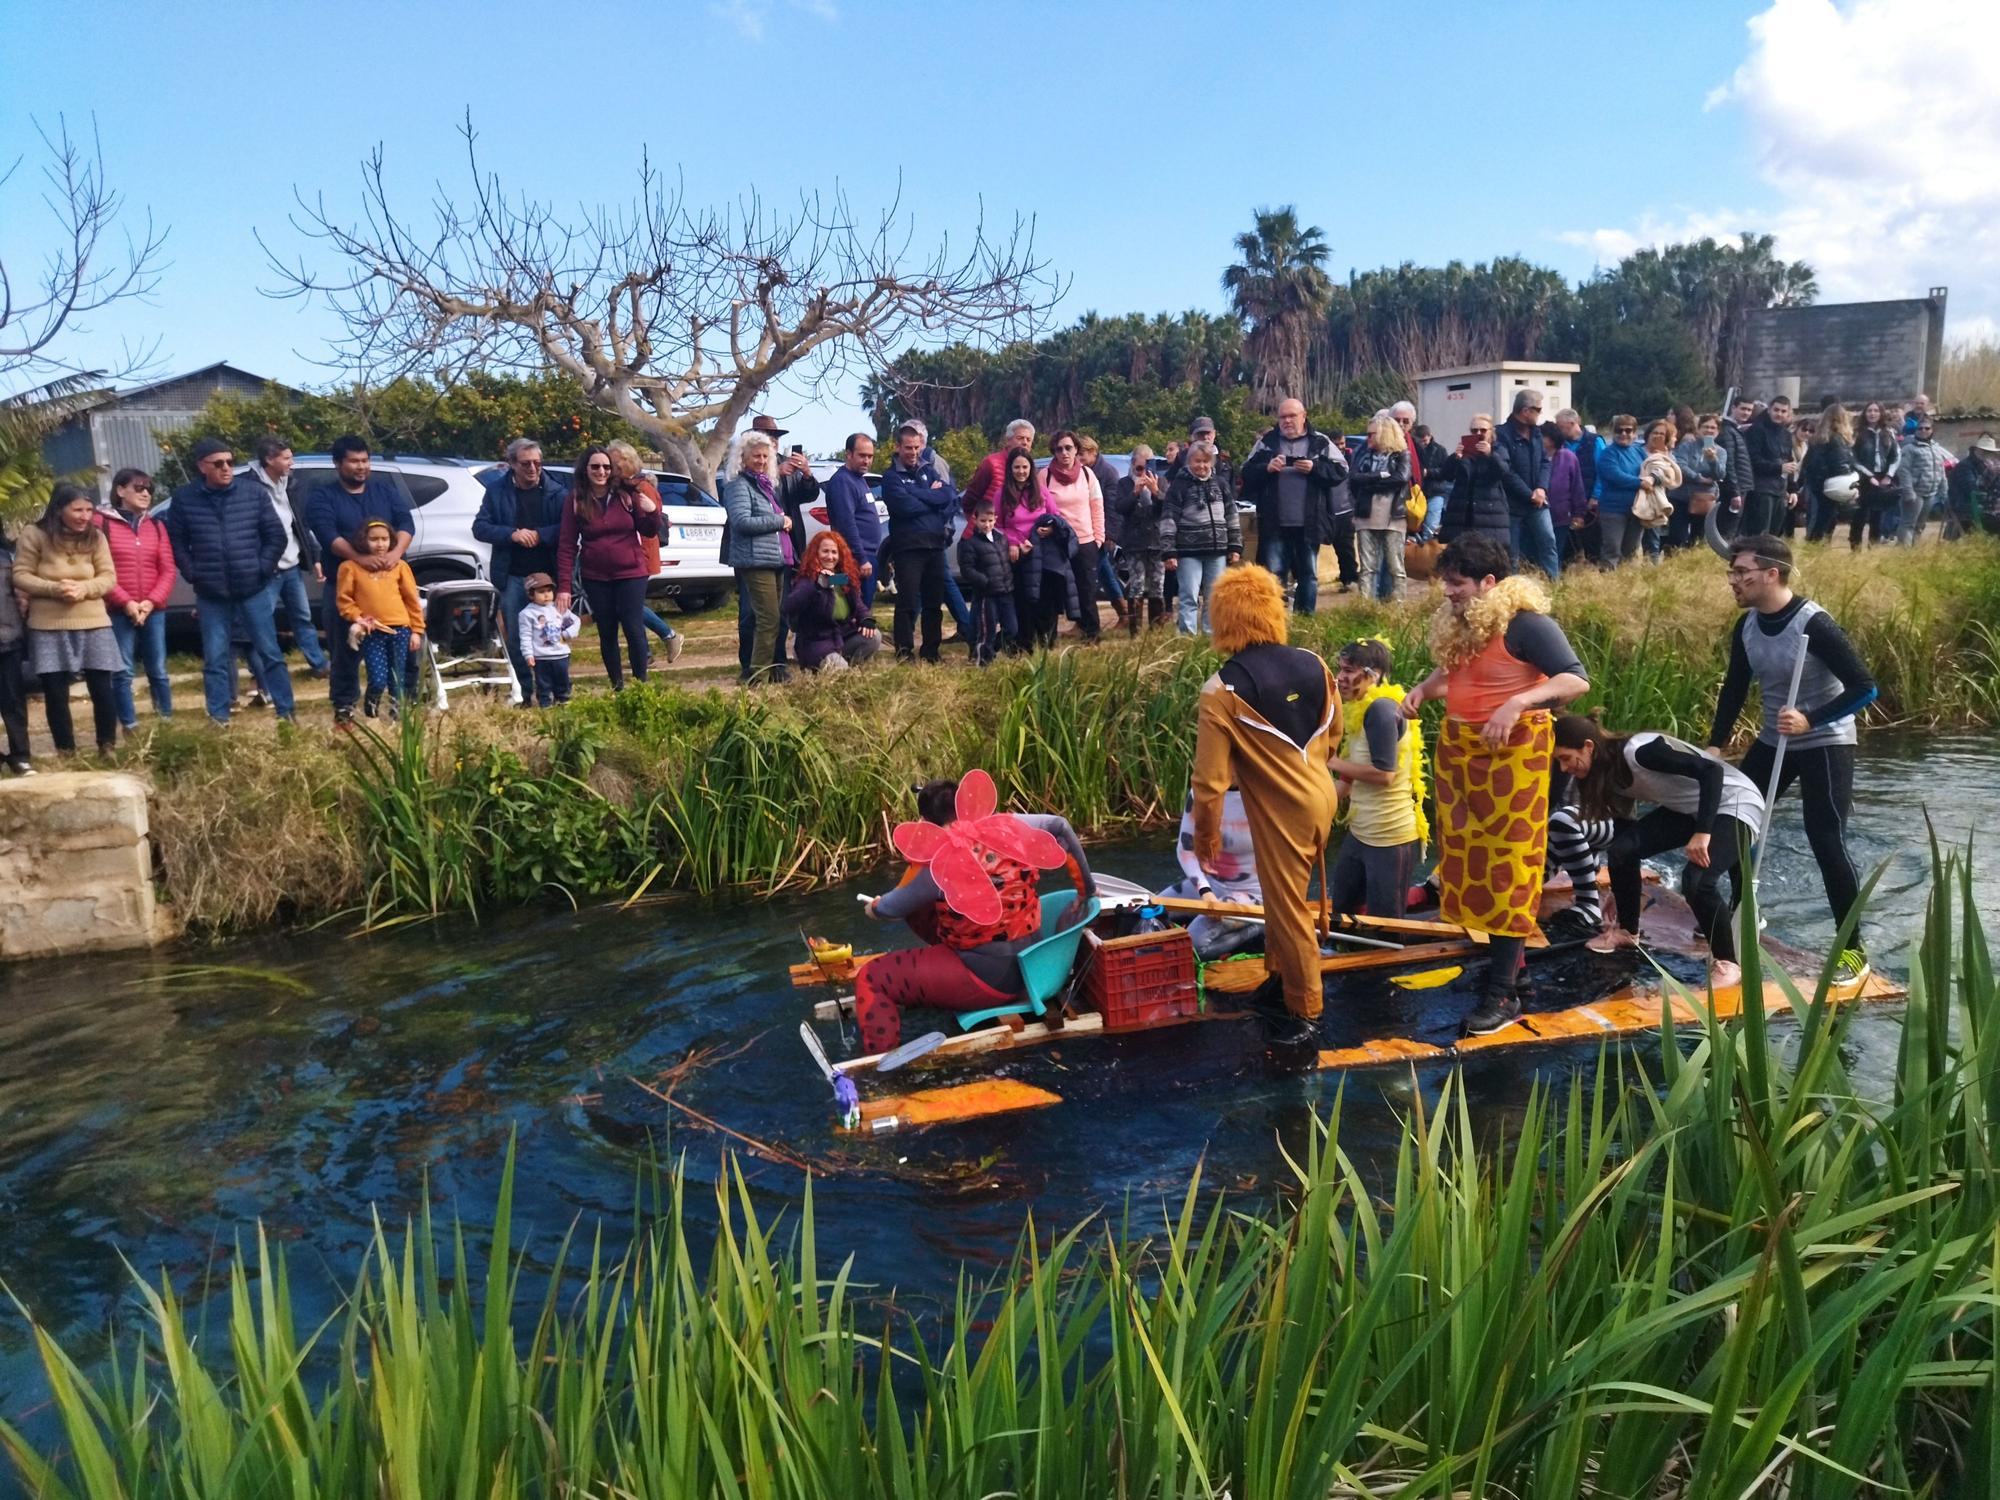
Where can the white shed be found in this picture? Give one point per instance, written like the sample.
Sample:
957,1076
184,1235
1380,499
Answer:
1447,399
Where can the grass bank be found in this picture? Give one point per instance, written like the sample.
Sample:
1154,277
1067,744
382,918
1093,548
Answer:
1739,1279
672,788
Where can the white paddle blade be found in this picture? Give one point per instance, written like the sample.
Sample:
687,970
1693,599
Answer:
811,1039
911,1050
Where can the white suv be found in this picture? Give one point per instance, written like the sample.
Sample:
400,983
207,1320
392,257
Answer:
443,495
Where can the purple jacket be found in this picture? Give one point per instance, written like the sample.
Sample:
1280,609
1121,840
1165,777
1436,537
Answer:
1567,499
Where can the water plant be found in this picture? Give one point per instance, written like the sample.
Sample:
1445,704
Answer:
1740,1278
701,789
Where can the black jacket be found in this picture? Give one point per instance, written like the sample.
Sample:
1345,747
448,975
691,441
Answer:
1737,449
1375,473
1199,518
1051,545
226,542
1432,456
1770,445
1139,515
1527,465
983,565
1478,499
1260,485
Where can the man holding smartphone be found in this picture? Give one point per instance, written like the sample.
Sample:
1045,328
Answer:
1290,476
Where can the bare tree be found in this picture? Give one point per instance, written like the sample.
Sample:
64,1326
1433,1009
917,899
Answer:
80,271
677,318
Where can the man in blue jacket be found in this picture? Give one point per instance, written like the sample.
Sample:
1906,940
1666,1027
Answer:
921,506
519,520
1526,477
335,512
850,510
227,543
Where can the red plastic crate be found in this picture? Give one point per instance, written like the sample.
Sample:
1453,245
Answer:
1143,979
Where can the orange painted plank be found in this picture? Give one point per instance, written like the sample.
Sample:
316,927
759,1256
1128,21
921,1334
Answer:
964,1101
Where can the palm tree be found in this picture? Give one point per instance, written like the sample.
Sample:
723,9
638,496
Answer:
1279,287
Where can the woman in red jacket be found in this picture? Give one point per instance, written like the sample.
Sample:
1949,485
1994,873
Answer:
144,561
603,523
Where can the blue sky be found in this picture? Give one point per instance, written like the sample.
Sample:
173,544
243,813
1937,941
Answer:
1139,137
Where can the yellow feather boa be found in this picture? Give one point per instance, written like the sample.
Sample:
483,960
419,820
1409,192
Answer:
1412,749
1456,640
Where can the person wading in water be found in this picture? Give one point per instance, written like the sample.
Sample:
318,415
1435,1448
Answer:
1818,729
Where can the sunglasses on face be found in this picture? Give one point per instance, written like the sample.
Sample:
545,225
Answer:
598,468
140,484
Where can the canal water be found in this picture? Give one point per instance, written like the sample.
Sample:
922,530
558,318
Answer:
153,1109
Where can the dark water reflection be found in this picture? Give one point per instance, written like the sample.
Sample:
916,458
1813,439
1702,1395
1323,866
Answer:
152,1117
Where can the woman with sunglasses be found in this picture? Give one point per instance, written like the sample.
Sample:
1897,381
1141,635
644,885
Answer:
603,523
143,558
1619,467
1079,499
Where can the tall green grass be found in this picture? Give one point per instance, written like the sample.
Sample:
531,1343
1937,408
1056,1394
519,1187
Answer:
1740,1278
699,789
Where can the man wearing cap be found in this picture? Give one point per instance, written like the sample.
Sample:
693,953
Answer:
227,543
1290,476
1975,491
796,489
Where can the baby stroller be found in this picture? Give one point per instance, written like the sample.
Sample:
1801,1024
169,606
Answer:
463,644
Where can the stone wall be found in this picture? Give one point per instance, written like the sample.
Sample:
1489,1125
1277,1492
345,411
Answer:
1857,351
76,865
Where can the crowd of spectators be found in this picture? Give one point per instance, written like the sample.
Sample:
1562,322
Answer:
84,589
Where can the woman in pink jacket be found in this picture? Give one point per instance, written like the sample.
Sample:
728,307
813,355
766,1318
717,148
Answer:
144,561
1080,500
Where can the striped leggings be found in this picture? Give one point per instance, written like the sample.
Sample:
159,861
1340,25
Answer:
1577,846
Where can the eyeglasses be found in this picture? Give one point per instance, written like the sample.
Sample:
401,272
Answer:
598,468
527,463
141,484
1736,572
1065,447
1628,431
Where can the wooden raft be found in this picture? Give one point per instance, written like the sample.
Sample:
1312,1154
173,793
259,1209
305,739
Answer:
1626,1012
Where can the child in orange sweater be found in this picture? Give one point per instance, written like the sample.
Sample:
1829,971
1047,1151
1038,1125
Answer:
385,618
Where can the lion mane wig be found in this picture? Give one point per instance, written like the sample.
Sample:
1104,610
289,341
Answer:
1247,609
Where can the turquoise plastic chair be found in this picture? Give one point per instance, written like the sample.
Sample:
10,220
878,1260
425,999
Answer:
1045,963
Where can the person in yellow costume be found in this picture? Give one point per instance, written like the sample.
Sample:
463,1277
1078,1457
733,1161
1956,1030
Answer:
1381,779
1502,665
1268,723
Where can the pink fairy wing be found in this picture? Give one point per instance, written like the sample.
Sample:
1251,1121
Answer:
1007,835
919,843
977,797
967,888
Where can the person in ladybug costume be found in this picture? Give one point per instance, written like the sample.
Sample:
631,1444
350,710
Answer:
969,894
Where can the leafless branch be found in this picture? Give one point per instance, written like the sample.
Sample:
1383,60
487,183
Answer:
81,272
678,318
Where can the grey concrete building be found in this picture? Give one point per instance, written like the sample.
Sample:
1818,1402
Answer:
117,429
1854,352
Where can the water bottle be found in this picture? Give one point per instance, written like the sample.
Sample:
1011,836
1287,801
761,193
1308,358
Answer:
1152,918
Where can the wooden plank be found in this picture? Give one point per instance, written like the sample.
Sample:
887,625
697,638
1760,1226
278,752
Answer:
944,1106
1243,911
1238,976
993,1039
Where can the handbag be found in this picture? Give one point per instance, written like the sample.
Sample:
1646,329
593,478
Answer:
1416,507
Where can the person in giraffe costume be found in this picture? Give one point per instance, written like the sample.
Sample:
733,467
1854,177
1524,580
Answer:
1502,665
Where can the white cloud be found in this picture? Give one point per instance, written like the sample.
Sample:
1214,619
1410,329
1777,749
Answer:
751,17
1876,124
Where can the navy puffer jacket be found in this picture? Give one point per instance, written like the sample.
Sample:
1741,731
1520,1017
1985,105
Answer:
226,542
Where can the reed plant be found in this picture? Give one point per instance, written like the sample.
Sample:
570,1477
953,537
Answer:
705,790
1742,1277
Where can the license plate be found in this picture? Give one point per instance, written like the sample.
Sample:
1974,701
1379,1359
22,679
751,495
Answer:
698,533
